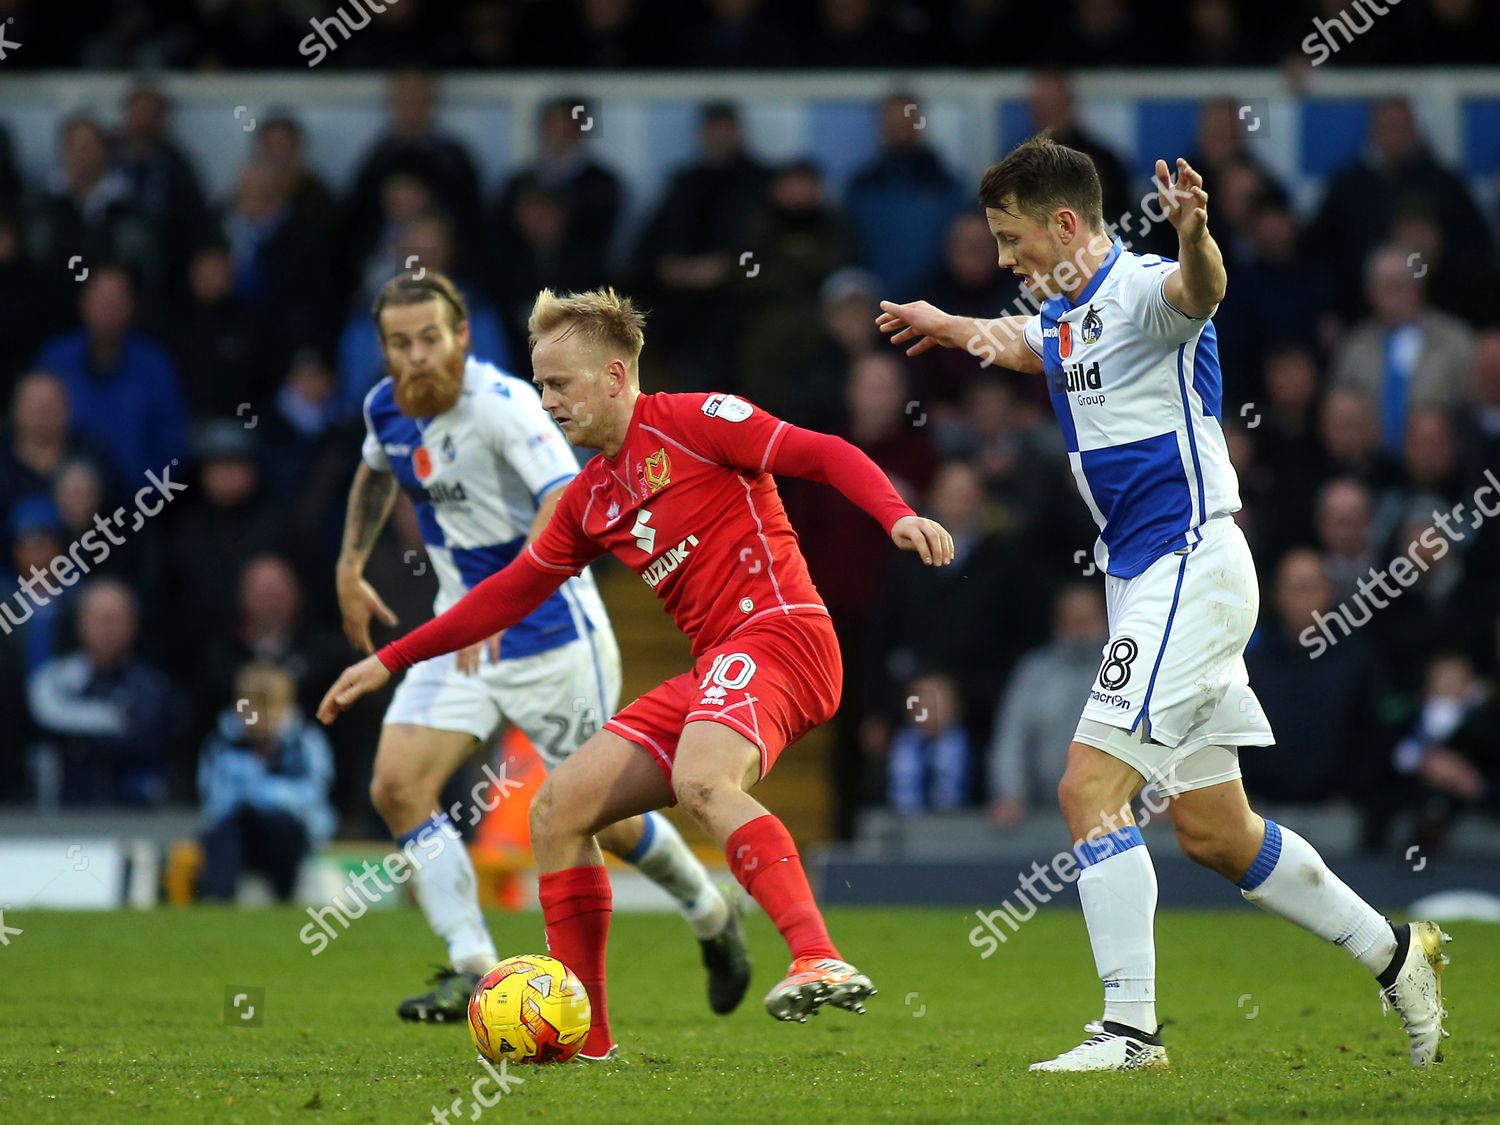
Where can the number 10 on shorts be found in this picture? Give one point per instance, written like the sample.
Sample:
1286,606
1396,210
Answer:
729,671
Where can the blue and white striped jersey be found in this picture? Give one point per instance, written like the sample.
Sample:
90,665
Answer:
1136,387
475,474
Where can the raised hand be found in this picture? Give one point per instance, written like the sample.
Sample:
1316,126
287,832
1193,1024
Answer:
1184,202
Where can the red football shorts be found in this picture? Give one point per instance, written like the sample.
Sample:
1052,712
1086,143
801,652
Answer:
773,681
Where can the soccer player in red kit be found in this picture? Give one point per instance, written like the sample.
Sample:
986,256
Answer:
682,493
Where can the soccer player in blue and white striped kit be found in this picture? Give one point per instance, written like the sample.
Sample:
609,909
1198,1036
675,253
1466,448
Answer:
1129,352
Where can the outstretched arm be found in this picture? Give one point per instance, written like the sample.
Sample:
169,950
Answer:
500,601
497,603
1001,340
834,461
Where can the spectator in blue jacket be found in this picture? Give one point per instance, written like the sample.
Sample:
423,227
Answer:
107,720
931,762
905,184
263,777
121,383
34,621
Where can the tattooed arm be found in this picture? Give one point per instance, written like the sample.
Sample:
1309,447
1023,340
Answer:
370,500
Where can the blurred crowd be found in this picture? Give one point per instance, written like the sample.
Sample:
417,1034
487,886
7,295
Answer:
718,34
226,345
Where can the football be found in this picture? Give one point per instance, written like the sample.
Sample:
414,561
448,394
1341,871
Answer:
529,1009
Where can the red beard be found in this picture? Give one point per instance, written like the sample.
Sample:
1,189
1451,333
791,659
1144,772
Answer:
430,393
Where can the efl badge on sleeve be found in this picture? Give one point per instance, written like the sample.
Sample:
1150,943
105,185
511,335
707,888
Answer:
727,407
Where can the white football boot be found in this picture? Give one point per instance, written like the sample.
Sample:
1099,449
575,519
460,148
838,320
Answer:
1112,1047
1417,992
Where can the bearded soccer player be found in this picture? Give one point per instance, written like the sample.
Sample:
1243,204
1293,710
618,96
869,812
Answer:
682,493
485,467
1127,344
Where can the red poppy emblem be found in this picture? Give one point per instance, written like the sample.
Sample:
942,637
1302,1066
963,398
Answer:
1065,339
421,461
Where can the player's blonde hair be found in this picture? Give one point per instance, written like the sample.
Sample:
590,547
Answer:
601,316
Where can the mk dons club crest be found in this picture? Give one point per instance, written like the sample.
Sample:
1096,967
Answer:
658,470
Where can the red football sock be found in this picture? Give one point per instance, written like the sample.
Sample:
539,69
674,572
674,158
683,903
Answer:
764,860
576,905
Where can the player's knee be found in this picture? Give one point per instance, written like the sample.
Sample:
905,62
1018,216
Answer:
543,815
696,789
394,796
1074,794
1205,847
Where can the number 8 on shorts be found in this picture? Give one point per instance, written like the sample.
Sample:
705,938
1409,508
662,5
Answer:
1114,673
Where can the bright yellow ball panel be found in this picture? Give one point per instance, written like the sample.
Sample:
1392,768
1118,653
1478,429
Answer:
529,1009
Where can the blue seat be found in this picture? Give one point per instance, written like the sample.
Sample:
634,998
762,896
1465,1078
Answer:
1163,127
901,233
1481,125
1333,132
842,136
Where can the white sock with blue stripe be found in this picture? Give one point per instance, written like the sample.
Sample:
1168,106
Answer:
1289,878
664,857
448,892
1117,885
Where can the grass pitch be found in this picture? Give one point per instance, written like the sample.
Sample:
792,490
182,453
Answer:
129,1017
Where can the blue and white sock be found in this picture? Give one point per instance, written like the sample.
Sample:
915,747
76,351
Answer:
664,857
1288,877
448,892
1117,884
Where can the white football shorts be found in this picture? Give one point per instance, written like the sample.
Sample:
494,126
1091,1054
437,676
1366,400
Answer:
1173,679
558,698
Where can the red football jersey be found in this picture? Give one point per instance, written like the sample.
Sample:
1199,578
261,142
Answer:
688,504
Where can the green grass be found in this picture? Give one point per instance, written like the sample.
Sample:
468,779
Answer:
120,1017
